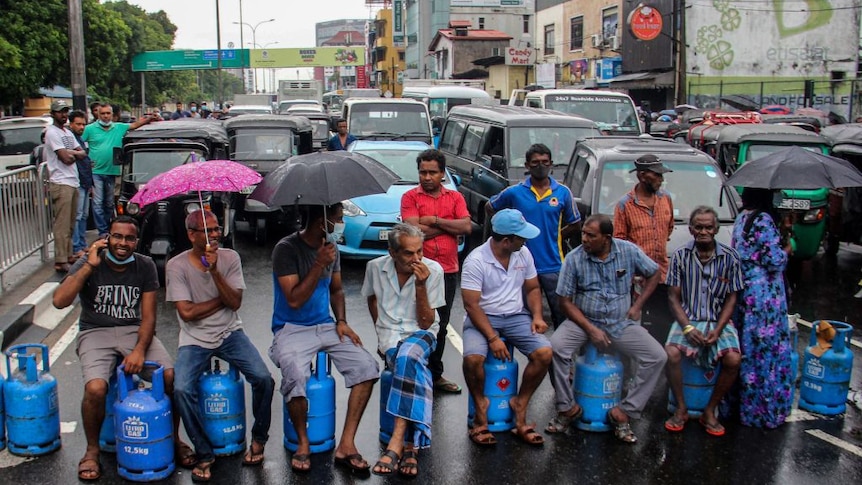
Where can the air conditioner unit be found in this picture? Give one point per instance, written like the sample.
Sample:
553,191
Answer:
496,51
596,40
615,42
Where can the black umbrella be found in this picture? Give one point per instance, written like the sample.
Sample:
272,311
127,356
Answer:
739,102
323,178
796,168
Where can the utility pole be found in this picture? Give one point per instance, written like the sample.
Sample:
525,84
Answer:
242,49
218,56
76,56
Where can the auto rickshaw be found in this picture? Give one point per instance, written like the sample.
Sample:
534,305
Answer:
156,148
738,144
323,125
845,205
263,143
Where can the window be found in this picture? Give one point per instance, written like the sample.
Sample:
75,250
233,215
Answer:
470,148
481,23
401,56
549,39
578,175
451,139
610,19
526,21
576,32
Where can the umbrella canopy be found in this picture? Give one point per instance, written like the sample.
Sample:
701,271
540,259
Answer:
324,178
211,175
796,168
682,108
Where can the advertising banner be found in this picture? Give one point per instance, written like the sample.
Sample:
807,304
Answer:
307,57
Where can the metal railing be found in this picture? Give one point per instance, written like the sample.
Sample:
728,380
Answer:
25,216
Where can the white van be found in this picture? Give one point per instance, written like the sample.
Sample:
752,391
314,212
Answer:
440,99
387,119
18,138
613,112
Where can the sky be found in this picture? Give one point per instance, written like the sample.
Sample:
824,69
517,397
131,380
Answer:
293,25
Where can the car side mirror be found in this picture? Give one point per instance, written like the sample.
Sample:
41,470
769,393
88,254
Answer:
117,156
498,163
456,180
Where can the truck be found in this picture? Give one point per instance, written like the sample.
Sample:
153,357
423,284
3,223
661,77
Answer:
252,99
292,89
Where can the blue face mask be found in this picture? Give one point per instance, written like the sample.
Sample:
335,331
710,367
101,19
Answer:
194,109
113,259
105,123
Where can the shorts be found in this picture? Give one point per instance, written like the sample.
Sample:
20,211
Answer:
98,349
516,329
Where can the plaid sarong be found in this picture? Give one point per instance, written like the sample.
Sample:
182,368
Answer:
412,387
709,357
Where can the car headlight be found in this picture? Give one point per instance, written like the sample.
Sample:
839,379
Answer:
192,207
350,209
133,209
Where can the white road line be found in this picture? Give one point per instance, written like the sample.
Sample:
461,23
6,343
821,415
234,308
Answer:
800,415
60,347
68,427
835,441
455,339
806,323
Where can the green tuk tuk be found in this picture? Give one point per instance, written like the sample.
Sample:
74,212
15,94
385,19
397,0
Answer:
738,144
845,205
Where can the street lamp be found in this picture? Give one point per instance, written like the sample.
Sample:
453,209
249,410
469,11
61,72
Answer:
272,84
253,39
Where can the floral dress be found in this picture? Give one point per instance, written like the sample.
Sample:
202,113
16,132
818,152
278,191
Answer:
760,316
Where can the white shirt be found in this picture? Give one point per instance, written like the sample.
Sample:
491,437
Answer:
396,305
57,138
501,288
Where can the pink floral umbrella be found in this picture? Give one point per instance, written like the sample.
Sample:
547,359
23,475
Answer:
209,176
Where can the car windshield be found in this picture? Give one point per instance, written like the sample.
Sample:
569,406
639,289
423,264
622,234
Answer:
248,145
321,129
19,141
691,184
561,140
368,119
611,113
147,164
756,151
402,162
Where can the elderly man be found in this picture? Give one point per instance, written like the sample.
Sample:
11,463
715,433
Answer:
306,272
207,284
703,280
595,294
404,290
494,280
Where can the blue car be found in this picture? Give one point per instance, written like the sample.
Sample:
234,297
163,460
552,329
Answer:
368,219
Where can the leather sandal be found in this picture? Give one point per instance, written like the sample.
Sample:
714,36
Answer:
622,430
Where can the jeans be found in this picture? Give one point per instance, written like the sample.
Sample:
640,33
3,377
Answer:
548,283
103,201
435,362
238,351
79,236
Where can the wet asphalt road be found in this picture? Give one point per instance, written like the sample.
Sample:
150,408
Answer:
796,453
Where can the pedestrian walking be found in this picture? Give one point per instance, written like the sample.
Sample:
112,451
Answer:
77,123
341,139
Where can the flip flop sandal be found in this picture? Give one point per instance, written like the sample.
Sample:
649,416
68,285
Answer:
82,470
302,459
348,462
560,423
386,468
186,457
413,467
445,385
622,430
201,471
251,458
529,436
482,437
712,429
675,424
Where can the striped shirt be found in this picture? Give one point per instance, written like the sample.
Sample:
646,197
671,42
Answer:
602,289
649,228
705,286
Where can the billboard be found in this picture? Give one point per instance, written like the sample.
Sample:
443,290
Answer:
307,57
646,30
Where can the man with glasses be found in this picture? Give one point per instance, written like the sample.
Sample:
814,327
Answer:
703,280
117,288
207,284
548,205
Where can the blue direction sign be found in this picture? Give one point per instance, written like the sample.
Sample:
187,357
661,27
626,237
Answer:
187,59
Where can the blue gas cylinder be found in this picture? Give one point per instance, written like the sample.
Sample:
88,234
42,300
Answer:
387,421
598,387
144,424
107,435
320,422
221,396
697,385
2,408
32,409
826,379
501,385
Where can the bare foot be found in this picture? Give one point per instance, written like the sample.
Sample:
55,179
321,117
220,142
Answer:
519,410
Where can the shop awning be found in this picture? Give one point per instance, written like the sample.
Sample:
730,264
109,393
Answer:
644,80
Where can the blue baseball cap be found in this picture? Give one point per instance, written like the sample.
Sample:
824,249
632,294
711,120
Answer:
510,222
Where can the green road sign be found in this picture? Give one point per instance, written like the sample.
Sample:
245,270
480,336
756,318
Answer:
188,59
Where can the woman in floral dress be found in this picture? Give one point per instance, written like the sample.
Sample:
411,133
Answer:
766,391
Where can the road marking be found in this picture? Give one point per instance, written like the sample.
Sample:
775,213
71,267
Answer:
61,345
800,415
835,441
809,325
455,339
68,427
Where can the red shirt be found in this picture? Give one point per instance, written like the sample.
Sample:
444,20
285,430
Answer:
448,205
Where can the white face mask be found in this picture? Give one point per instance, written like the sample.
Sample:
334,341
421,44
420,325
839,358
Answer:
336,234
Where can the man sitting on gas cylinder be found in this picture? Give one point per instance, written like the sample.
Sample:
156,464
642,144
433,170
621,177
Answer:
404,289
206,283
117,287
702,281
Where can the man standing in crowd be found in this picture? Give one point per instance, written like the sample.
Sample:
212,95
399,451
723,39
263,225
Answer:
403,290
495,278
306,271
62,151
549,206
77,123
595,295
341,139
207,284
644,216
703,280
180,112
102,137
442,216
117,288
193,110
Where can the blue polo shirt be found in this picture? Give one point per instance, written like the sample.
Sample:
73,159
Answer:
549,212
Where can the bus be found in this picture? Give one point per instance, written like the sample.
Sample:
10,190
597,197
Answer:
613,112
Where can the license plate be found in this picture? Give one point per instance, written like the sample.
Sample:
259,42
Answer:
795,204
383,235
247,190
